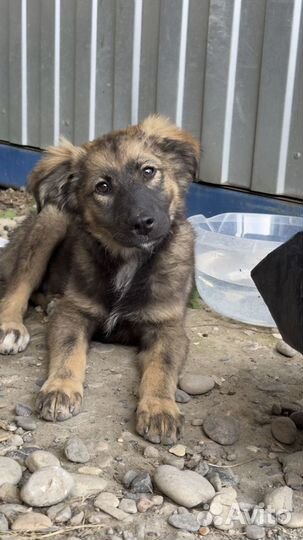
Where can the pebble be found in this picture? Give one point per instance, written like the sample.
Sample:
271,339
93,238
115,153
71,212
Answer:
293,462
151,452
196,384
295,521
174,462
254,532
293,480
86,484
31,521
285,349
113,511
26,422
41,459
15,440
297,418
141,483
9,493
3,523
144,504
202,468
129,477
186,488
178,450
279,500
157,500
203,531
205,518
77,518
47,487
181,396
11,511
224,430
28,437
60,513
10,471
284,430
186,522
94,471
23,410
128,505
76,451
106,498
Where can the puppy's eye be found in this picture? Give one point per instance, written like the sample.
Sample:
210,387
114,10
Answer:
103,187
149,172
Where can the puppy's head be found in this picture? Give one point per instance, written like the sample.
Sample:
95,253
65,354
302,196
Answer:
128,186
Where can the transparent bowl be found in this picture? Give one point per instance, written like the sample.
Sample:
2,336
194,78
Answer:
227,248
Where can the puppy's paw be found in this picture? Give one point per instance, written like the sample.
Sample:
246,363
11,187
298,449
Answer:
59,399
14,337
159,420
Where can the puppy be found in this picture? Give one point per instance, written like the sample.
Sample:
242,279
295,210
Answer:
111,240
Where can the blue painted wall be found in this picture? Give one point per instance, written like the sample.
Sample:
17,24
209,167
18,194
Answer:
16,163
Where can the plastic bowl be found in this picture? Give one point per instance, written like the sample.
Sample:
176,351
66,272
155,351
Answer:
227,248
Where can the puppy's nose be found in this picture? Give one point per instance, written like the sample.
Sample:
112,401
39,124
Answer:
143,225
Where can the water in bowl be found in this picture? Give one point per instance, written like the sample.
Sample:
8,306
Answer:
223,281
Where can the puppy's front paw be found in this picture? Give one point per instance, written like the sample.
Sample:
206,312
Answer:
59,399
14,337
159,420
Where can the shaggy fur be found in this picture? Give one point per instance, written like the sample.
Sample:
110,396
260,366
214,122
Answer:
110,240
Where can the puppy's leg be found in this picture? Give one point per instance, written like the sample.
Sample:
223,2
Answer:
69,332
32,251
158,417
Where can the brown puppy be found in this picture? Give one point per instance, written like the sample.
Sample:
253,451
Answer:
111,238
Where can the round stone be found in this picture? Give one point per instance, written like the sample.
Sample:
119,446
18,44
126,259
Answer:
254,532
195,384
41,459
285,349
26,422
178,450
76,451
10,471
293,521
106,498
31,521
224,430
279,500
151,452
186,488
284,430
23,410
47,487
297,418
181,396
186,522
128,505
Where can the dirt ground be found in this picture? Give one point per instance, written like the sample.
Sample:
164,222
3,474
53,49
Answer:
250,377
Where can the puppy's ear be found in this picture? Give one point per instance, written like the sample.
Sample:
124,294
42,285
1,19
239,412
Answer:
54,179
179,144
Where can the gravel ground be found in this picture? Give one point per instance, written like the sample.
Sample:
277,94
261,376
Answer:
237,449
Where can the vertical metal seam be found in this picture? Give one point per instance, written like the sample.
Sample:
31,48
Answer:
57,46
289,94
230,94
182,62
24,88
136,61
93,70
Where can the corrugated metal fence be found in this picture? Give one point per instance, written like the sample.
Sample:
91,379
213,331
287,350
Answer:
231,71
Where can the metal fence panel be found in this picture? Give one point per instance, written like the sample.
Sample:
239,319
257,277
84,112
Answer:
228,70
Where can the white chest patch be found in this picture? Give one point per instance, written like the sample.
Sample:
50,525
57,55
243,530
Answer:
125,276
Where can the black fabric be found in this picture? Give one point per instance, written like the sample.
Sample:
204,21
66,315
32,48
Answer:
279,279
